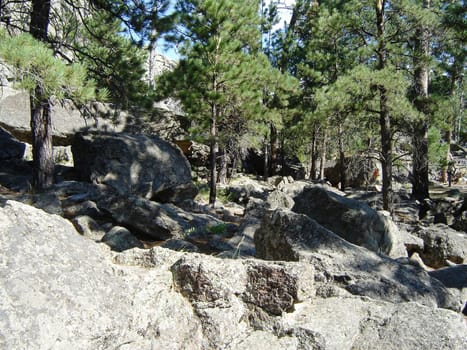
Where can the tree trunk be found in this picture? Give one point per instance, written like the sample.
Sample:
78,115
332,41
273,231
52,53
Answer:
420,182
386,150
213,159
222,175
444,171
41,124
384,117
342,165
266,162
314,155
274,150
42,150
322,164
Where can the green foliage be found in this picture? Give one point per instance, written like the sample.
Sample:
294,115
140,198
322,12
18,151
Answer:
219,229
112,60
36,65
437,149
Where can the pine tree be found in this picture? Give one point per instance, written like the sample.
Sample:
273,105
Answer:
219,78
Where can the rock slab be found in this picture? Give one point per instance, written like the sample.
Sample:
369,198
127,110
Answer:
145,166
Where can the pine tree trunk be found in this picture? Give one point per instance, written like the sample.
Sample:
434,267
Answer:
313,156
274,150
447,159
213,158
322,164
266,162
222,175
420,181
386,150
384,117
41,124
42,150
342,165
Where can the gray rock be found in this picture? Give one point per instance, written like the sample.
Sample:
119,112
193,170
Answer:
288,236
10,148
278,199
87,207
47,201
455,278
88,227
374,325
180,245
352,220
60,290
442,243
243,188
134,164
15,117
120,239
160,221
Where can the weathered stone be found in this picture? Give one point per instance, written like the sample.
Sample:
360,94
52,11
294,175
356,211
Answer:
120,239
243,188
374,325
10,148
161,221
60,290
87,207
278,199
89,228
285,235
134,164
180,245
442,243
352,220
455,278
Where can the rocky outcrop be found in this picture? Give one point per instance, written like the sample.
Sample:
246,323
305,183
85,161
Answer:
288,236
10,148
157,220
442,243
455,278
166,120
60,290
352,220
145,166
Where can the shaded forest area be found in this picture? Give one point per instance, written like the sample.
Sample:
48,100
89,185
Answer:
344,80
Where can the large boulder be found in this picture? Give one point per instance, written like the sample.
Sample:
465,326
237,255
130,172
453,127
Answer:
166,118
134,164
59,290
158,220
352,220
10,148
15,117
442,243
285,235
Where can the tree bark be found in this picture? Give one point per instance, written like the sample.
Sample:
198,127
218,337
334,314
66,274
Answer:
384,117
313,156
213,158
322,164
420,181
274,150
447,159
41,124
342,165
222,175
266,162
